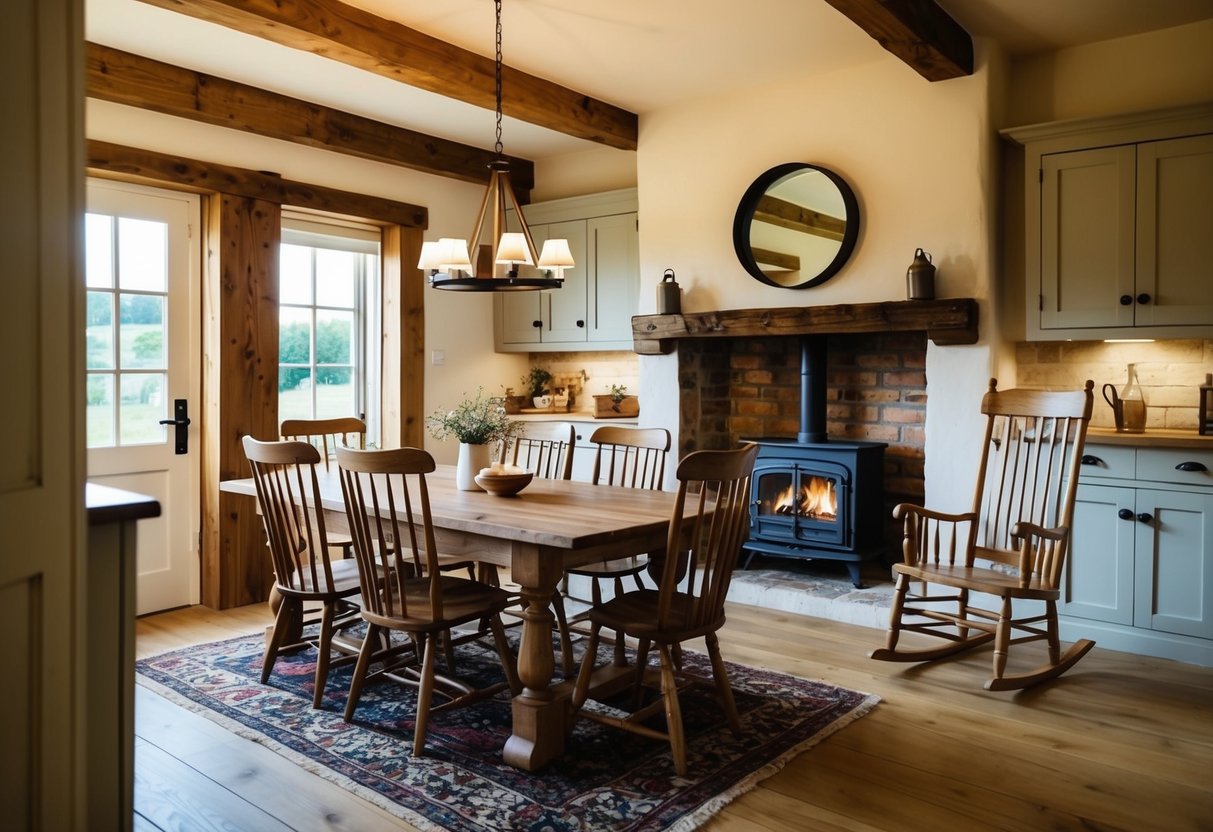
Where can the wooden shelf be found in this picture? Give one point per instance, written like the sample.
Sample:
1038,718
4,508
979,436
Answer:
947,322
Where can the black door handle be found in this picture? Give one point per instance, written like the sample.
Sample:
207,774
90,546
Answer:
181,420
1146,517
1125,514
1143,298
1089,459
1191,467
1126,300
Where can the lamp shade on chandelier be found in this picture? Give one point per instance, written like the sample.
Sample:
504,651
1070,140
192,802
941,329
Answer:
449,257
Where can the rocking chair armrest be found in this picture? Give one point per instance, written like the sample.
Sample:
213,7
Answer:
1028,535
902,509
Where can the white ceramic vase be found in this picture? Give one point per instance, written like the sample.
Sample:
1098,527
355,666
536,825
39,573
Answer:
471,459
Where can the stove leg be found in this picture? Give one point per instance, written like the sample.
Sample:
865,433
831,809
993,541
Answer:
853,569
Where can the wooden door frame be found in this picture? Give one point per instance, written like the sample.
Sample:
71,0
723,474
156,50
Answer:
240,336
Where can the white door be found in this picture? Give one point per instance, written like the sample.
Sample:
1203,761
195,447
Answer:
142,359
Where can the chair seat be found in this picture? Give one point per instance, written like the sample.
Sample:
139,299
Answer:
462,601
978,578
621,567
635,613
345,581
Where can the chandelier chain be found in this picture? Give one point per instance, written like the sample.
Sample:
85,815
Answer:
499,148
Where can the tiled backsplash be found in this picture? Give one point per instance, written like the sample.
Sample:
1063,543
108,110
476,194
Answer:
1169,372
590,374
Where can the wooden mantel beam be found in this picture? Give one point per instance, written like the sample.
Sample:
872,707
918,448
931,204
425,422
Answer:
918,32
385,47
125,78
946,322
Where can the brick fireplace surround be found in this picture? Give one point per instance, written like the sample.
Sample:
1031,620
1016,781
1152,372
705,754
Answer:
733,388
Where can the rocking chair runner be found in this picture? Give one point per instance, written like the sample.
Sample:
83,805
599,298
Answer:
1026,482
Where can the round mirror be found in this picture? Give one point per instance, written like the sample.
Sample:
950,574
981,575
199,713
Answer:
796,226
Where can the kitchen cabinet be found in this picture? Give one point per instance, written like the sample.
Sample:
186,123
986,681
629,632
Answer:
593,309
1119,226
1140,569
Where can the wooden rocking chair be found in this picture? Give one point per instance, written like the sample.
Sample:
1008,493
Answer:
1020,524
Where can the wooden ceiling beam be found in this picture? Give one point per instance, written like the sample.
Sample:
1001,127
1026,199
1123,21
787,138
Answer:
132,163
780,212
125,78
385,47
918,32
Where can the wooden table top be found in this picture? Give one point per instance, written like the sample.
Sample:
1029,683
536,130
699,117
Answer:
563,514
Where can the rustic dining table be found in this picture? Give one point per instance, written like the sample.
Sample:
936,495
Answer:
549,526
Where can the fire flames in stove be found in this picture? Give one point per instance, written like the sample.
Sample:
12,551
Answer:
816,500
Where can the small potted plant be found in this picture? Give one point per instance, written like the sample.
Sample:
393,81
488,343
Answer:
478,424
616,403
536,382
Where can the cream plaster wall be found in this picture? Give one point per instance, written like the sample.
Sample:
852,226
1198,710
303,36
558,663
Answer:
1166,68
587,172
920,159
458,324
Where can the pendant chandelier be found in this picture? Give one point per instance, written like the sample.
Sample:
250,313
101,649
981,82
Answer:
448,257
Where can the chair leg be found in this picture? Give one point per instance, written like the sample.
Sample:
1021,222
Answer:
448,650
323,650
425,694
721,677
581,689
642,662
282,623
1002,638
562,631
963,611
508,663
673,712
1054,640
360,669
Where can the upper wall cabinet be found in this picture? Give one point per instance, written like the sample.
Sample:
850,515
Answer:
1119,226
593,309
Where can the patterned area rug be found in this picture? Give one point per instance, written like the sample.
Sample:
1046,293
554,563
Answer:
608,779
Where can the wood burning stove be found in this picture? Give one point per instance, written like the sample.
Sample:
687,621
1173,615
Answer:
813,497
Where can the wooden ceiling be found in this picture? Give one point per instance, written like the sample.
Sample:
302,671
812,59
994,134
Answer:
917,31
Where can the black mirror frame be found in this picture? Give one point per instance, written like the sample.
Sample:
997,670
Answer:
745,216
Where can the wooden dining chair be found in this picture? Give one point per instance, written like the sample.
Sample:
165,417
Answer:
388,503
710,520
288,495
1012,545
327,435
630,458
546,449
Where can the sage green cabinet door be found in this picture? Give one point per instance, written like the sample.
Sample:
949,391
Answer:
1098,582
565,322
615,247
1175,231
1174,562
1087,231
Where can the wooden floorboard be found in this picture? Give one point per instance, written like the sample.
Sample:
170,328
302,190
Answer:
1121,742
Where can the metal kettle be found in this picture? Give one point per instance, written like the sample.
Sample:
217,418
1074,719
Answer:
920,277
669,295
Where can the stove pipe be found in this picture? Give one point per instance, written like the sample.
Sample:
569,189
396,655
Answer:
812,389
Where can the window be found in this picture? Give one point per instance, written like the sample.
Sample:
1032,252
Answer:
126,271
328,321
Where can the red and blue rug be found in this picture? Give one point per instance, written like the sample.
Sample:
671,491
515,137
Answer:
607,780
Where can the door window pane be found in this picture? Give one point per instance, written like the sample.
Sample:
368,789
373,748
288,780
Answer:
141,406
295,275
99,331
142,327
142,254
295,393
99,398
99,251
335,278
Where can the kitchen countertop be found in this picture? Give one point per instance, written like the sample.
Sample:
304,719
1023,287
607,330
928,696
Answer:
1152,438
573,416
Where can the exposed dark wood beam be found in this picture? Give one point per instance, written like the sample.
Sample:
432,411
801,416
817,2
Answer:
946,322
134,163
781,261
918,32
789,215
125,78
388,48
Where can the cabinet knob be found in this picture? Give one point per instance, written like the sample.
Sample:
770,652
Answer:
537,324
1191,467
1143,298
1146,517
1091,459
1126,300
1125,514
581,324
